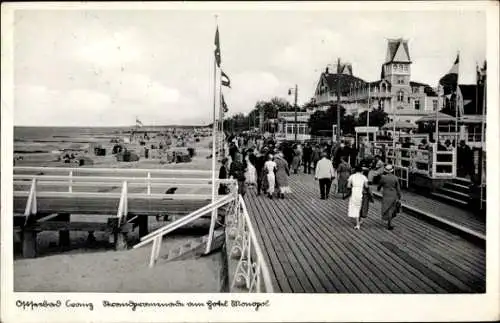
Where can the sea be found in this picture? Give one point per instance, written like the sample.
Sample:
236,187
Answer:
25,133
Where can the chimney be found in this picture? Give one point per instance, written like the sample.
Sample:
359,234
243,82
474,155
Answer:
327,70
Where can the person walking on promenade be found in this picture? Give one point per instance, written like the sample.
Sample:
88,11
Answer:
259,168
223,174
306,158
237,171
324,173
343,173
297,156
282,173
316,156
251,172
365,203
357,183
391,195
269,171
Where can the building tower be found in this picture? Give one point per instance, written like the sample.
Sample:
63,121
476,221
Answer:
397,71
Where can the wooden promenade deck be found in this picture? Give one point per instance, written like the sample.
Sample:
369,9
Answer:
311,247
460,216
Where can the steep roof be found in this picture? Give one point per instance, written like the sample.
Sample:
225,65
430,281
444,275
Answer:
397,51
428,90
346,81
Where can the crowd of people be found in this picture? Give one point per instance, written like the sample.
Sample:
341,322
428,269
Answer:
255,161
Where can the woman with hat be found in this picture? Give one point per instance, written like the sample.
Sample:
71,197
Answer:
391,195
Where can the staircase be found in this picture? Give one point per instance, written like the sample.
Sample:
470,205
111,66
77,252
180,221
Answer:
194,247
457,192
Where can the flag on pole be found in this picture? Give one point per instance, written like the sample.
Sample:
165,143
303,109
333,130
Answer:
217,47
450,80
224,105
138,122
225,80
481,74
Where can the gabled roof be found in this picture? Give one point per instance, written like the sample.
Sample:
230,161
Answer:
412,84
397,51
346,81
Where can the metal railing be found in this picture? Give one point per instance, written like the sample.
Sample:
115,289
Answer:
251,271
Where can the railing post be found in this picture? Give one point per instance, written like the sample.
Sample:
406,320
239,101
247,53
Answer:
249,258
33,202
125,202
152,259
434,160
149,183
70,188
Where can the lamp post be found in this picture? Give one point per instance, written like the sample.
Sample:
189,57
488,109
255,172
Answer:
295,126
338,99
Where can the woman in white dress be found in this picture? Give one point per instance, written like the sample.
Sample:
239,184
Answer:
251,173
357,182
269,169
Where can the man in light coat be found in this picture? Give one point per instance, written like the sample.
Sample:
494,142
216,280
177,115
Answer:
325,174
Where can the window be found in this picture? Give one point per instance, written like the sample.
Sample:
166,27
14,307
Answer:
400,96
417,104
434,105
409,99
401,80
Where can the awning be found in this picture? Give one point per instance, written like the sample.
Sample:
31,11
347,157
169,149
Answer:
400,125
442,117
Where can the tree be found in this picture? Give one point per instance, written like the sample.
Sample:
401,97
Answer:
321,122
378,118
348,124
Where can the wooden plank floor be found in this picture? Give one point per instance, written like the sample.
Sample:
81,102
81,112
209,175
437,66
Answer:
311,247
460,216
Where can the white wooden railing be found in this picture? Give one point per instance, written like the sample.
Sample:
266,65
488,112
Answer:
426,162
252,269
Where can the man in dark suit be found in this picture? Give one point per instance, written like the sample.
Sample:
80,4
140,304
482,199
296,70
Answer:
306,158
259,166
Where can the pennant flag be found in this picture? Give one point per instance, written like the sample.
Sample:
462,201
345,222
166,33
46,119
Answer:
224,105
217,47
225,80
450,80
481,74
138,122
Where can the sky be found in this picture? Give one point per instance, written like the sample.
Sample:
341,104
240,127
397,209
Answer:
107,67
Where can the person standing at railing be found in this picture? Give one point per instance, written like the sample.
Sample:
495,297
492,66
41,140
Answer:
324,173
223,174
391,195
465,160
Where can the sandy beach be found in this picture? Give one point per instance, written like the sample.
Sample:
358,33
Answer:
96,267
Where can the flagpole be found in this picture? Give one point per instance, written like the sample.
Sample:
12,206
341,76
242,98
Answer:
221,114
214,133
456,100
